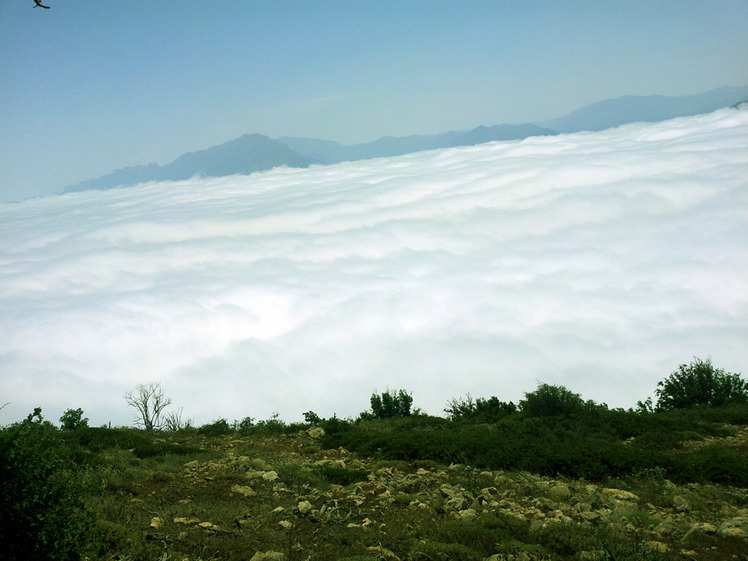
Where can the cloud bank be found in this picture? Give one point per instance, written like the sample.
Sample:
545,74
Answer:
599,261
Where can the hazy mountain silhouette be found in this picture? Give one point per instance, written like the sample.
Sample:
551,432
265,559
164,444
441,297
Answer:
246,154
255,152
650,108
329,152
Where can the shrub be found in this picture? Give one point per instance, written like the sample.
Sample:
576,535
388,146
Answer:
343,476
155,450
216,428
312,418
390,404
550,401
481,410
42,506
174,422
335,425
273,424
72,419
699,383
97,439
245,425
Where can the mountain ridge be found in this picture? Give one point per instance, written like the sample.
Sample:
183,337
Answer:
618,111
256,152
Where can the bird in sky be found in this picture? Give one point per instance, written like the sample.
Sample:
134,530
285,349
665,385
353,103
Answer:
40,5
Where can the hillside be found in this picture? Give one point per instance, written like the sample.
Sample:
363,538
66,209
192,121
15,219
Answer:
283,492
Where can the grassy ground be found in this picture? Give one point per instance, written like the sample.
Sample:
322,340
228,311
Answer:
263,495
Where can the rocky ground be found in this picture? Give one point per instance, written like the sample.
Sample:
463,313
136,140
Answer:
273,497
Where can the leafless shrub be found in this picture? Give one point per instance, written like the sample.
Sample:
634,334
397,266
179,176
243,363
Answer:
149,401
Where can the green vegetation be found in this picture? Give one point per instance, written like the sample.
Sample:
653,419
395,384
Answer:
389,405
41,502
73,419
553,477
699,383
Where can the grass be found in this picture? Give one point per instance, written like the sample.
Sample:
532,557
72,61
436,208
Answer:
419,488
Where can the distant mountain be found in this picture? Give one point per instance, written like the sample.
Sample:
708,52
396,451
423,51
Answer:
650,108
255,152
329,152
481,135
247,154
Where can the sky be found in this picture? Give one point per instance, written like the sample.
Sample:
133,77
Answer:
87,87
598,261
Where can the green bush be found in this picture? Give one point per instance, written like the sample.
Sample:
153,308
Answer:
549,401
335,425
274,424
699,383
245,425
479,411
312,418
43,512
72,419
97,439
343,476
390,404
216,428
154,450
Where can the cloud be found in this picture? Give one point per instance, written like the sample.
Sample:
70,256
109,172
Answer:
595,260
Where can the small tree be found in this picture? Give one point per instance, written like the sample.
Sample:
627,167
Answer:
73,419
391,404
549,400
699,383
311,418
149,401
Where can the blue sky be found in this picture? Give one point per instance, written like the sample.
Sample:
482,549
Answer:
89,86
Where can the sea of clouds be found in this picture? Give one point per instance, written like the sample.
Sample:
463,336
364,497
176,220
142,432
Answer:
599,261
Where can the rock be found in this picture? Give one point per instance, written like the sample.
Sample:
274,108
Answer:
559,492
681,504
285,524
268,556
270,475
304,507
736,527
316,433
700,528
589,516
182,520
244,490
665,529
657,547
156,523
543,485
467,515
381,552
278,510
448,490
620,495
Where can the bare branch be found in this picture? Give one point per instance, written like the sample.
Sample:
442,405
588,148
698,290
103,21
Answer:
149,401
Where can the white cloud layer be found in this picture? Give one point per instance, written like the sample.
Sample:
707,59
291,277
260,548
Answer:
599,261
